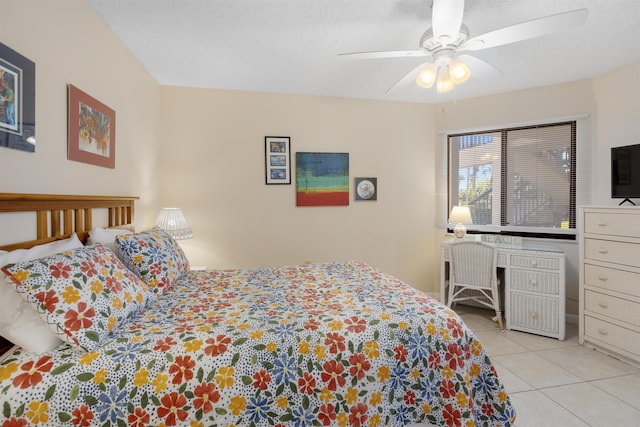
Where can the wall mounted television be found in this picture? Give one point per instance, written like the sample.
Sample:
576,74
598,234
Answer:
625,173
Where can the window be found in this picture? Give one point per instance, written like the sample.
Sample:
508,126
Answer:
519,180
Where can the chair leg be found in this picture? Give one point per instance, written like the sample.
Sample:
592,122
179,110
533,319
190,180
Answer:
500,322
450,296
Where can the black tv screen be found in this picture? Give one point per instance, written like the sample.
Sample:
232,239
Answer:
625,172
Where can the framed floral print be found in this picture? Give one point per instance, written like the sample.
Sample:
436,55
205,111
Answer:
92,130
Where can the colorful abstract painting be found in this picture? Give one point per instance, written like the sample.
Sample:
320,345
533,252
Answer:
322,179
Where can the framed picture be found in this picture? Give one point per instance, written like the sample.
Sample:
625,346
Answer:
17,101
366,188
322,179
277,154
92,130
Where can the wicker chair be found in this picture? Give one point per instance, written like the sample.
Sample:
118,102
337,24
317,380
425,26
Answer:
473,275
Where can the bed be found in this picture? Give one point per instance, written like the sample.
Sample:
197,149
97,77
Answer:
338,343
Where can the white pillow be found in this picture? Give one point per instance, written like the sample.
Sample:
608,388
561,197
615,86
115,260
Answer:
19,322
106,236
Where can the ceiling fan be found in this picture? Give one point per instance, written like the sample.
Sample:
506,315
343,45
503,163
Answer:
446,42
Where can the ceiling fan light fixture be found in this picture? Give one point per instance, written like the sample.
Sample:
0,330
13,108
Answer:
444,83
427,76
459,72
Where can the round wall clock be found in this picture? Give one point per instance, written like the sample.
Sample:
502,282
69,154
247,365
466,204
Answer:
366,188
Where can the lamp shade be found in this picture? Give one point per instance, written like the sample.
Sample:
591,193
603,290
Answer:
427,76
460,215
172,221
459,71
444,83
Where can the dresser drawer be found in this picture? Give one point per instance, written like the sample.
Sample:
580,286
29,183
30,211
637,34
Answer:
610,306
535,262
613,335
534,281
614,224
534,313
616,252
612,279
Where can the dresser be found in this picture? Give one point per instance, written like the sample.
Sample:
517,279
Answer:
534,287
610,280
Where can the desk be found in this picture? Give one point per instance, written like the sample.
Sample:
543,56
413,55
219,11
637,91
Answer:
534,287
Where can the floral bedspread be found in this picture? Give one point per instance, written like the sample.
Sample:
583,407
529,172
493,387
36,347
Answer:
338,344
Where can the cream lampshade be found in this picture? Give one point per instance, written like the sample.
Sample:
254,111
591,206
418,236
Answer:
174,223
460,215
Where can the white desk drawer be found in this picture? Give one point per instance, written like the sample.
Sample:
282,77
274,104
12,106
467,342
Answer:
613,335
612,279
533,312
615,224
615,308
535,281
535,262
616,252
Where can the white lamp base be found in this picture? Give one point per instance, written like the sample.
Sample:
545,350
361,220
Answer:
460,230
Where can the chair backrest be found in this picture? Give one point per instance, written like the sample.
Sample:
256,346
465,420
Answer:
473,264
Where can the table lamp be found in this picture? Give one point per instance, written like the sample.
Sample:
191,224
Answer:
460,215
172,221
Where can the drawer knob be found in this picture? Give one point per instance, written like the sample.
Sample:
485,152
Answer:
603,304
603,251
603,278
534,262
534,281
603,332
533,314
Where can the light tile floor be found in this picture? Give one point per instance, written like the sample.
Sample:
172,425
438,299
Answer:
558,383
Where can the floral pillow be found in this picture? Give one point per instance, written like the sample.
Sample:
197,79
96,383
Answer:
155,256
81,294
19,322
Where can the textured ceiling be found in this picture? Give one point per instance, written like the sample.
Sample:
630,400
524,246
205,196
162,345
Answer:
291,46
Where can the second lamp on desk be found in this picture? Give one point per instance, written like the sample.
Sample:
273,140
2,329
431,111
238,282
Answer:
460,215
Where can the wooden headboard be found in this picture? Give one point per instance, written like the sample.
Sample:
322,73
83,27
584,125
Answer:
59,216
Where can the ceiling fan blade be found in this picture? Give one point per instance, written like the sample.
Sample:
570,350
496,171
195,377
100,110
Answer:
480,68
410,77
386,54
447,17
526,30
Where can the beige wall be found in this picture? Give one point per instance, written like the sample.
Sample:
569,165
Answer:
213,167
70,44
617,115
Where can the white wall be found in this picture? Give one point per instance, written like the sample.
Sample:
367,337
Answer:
70,44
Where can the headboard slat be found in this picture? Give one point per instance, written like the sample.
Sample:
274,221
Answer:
78,215
88,220
69,217
55,223
41,223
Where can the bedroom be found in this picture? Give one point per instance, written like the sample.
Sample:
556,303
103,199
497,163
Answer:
202,150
